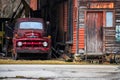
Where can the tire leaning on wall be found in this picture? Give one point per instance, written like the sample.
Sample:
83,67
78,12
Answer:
117,58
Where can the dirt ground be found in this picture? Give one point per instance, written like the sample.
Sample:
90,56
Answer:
53,61
9,60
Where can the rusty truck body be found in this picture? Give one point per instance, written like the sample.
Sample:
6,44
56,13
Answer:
30,36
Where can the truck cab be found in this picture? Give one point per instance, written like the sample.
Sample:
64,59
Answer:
30,36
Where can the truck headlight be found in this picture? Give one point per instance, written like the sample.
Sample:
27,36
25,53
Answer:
19,44
45,44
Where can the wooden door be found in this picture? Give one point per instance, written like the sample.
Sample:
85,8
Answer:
94,40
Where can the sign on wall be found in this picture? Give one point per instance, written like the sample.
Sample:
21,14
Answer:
101,5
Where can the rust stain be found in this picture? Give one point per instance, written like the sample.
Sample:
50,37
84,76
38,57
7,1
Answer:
33,4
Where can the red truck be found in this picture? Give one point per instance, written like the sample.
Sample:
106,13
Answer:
30,36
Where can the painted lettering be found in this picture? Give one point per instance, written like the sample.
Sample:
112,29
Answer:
102,5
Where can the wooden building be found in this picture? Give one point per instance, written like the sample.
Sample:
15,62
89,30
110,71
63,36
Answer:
96,26
88,26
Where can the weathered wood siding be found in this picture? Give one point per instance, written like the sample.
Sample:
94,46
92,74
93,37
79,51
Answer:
94,25
95,37
110,44
7,7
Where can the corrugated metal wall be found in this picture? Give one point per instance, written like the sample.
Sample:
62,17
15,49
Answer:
81,38
78,32
75,17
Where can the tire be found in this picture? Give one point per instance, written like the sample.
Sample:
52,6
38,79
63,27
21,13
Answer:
117,59
15,56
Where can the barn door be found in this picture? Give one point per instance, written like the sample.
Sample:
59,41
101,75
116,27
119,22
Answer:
94,24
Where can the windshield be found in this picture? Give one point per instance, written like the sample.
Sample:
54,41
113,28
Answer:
31,25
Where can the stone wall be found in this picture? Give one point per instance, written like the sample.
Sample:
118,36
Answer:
8,6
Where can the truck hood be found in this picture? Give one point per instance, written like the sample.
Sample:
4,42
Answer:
30,33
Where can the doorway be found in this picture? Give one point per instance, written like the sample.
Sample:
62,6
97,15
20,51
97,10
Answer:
94,32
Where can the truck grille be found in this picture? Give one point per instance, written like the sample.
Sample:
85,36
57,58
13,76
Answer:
32,43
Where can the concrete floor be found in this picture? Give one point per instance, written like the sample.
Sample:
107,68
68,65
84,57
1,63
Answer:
59,72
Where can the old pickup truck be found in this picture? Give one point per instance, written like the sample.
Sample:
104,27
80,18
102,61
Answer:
30,38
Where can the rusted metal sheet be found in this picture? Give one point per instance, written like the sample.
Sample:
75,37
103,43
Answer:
81,38
75,16
33,4
63,21
94,32
74,37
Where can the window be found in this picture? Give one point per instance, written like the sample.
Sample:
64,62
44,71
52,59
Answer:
31,25
109,19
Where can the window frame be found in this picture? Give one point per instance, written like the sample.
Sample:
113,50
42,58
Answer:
30,28
113,18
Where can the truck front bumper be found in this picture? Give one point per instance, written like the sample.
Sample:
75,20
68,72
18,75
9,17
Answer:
18,50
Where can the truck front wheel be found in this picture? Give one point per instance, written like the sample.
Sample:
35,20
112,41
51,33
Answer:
15,56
